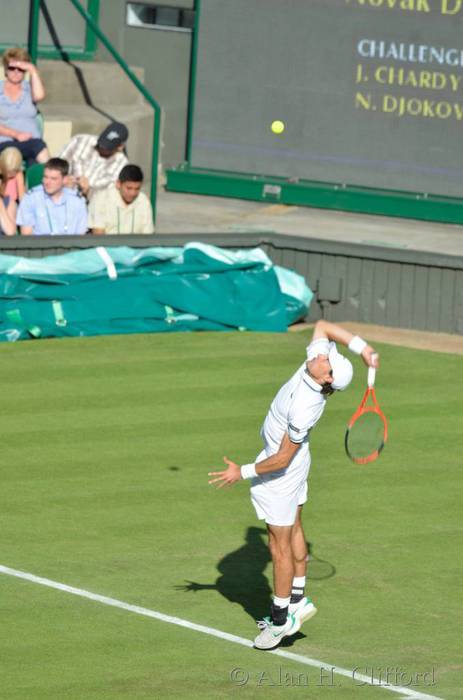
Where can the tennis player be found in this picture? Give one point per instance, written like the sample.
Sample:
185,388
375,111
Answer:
279,474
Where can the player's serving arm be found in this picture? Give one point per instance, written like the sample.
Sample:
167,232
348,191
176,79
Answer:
279,474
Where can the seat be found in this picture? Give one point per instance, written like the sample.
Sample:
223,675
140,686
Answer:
34,174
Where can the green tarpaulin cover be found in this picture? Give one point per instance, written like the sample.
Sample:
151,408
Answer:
102,291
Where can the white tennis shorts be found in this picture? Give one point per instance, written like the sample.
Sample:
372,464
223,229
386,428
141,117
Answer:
276,509
276,498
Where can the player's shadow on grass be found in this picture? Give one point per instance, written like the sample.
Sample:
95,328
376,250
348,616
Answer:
318,569
241,575
242,578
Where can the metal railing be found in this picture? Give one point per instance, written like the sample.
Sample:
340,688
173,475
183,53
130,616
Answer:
33,50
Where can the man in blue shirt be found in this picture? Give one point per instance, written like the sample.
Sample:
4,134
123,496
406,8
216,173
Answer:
51,208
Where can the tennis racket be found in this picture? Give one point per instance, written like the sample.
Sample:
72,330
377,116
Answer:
366,432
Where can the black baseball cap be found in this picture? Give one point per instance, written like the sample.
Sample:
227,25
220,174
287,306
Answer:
113,136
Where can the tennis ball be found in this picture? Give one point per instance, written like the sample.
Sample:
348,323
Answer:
278,127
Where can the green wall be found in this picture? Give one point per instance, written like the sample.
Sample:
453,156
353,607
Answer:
165,56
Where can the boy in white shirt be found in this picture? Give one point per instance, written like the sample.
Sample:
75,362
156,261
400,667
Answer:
122,207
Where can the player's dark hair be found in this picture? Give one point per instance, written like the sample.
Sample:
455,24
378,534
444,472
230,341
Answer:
58,164
131,173
327,389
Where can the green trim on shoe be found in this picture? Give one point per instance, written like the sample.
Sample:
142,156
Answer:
268,639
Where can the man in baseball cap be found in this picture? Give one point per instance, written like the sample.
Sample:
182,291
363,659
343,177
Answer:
95,162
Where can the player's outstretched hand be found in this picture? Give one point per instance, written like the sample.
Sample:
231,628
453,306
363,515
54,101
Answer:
230,476
370,357
193,586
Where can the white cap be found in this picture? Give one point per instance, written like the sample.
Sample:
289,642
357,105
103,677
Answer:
342,369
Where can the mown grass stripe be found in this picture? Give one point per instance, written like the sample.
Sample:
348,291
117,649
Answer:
203,629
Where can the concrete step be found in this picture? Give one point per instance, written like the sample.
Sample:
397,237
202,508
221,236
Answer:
86,82
71,119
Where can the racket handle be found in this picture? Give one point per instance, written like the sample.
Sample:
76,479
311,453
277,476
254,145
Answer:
372,373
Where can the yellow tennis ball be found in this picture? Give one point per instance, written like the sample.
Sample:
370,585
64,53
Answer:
278,127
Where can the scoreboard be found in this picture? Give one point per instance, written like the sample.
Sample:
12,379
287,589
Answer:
370,92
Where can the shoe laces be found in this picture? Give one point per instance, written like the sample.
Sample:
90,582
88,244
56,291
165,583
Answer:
264,623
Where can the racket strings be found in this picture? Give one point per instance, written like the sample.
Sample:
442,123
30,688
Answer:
366,436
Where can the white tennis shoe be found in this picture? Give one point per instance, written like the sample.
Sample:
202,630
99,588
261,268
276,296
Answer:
302,611
271,635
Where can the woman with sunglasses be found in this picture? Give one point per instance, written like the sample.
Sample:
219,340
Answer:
18,111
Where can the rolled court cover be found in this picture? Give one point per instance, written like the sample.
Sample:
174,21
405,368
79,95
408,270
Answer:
104,291
370,92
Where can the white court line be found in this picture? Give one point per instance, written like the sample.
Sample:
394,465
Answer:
113,602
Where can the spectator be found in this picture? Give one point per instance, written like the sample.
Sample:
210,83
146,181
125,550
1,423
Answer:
51,208
122,207
18,112
11,167
7,206
95,162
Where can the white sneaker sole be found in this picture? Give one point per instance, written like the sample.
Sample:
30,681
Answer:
309,611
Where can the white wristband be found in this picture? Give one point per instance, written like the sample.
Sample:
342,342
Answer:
357,345
248,471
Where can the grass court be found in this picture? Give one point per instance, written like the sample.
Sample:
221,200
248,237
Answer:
106,445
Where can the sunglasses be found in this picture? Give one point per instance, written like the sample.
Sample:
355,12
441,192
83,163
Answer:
12,68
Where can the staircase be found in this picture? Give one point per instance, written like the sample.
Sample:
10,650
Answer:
83,97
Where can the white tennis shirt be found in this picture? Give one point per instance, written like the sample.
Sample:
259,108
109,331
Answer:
296,408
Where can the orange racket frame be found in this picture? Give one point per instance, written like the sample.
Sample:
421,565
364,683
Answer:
361,410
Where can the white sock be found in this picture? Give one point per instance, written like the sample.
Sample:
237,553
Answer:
281,602
297,590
